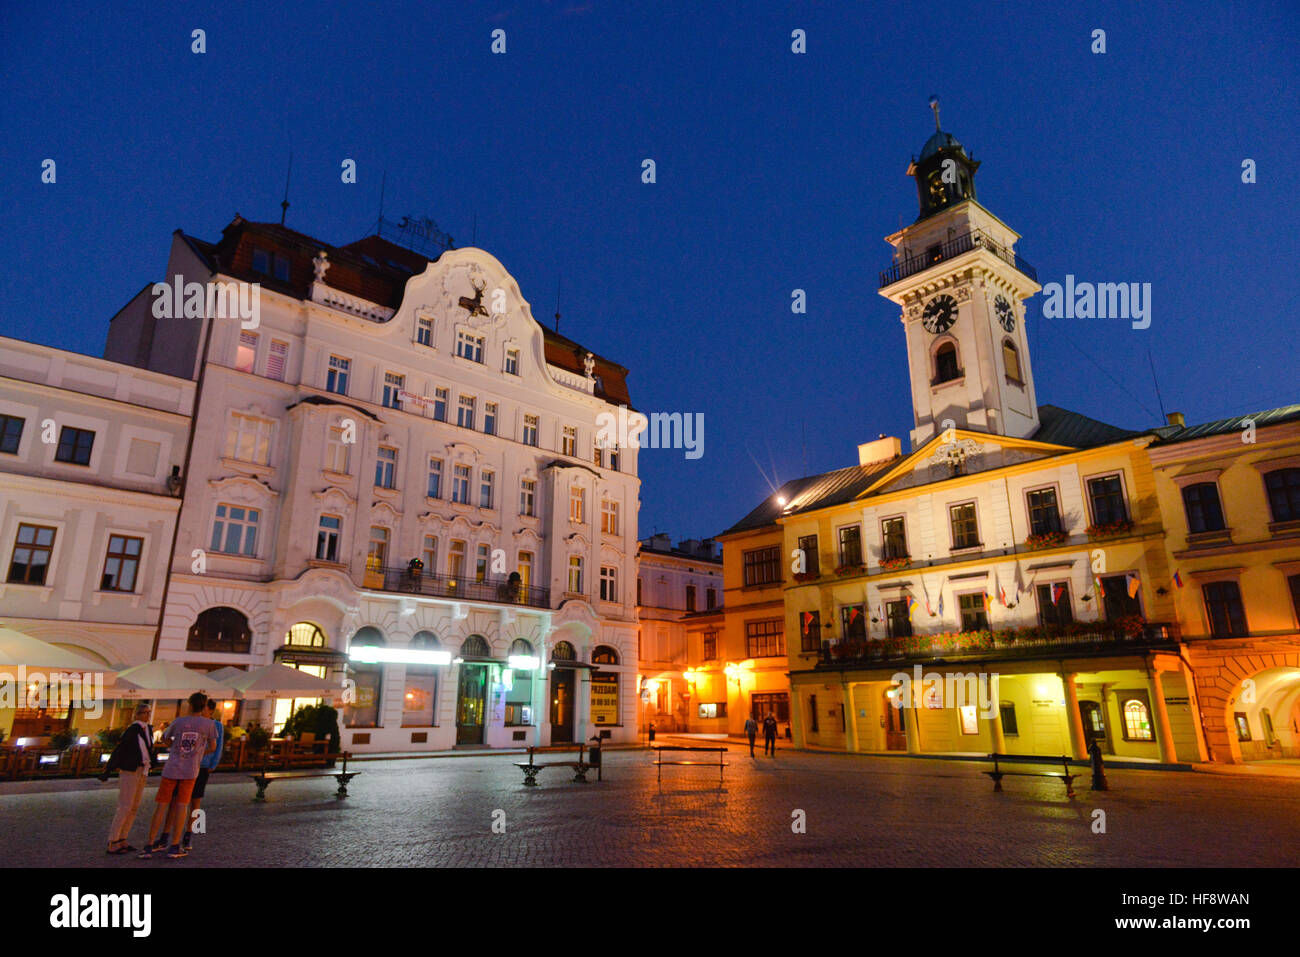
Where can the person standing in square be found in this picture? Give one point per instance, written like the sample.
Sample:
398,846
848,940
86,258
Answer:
189,739
131,759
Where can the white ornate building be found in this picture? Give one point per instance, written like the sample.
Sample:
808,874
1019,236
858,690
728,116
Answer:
395,480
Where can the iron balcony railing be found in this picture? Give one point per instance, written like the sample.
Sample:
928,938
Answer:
502,591
954,247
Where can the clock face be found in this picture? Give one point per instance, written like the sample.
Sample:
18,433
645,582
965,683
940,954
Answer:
1006,314
939,315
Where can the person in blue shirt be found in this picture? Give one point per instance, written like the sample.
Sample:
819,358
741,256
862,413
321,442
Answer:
206,767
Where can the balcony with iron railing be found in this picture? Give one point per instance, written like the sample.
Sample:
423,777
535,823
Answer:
975,239
1127,635
414,581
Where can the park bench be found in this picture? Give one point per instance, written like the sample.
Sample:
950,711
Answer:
264,777
997,774
580,766
660,760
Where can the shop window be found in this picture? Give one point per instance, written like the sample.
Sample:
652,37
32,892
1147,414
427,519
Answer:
365,710
1137,717
419,699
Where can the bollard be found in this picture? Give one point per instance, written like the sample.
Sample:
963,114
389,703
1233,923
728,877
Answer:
1098,768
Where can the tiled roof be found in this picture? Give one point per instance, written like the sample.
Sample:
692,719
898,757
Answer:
814,491
1057,426
1236,424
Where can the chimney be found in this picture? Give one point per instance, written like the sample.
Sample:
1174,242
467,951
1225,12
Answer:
882,450
1176,418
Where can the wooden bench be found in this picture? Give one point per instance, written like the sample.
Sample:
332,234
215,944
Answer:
264,777
532,768
660,761
997,774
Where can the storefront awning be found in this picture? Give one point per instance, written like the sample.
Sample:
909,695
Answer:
302,655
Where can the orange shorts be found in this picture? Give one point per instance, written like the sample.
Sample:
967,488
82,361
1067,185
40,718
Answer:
175,790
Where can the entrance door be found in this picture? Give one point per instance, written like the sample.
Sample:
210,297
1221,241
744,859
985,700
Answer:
562,706
895,730
1094,725
471,704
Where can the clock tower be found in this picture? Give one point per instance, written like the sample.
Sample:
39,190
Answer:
961,288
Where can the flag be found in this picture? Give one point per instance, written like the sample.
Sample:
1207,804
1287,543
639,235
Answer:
1134,584
807,621
1101,592
853,614
988,602
1019,586
1002,593
912,605
1057,591
1178,579
940,601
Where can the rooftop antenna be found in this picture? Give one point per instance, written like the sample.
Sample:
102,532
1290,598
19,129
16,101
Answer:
383,183
934,105
1151,362
804,426
557,305
284,203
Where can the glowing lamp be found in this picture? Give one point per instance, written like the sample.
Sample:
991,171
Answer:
523,662
370,654
652,686
84,739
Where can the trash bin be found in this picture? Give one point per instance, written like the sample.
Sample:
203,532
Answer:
652,731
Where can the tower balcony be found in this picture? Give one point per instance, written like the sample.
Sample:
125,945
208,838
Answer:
975,239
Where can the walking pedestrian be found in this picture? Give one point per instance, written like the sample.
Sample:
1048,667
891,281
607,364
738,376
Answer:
769,733
206,767
131,759
189,739
751,730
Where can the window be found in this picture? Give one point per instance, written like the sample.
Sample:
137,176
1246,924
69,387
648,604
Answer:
711,598
1117,602
765,639
469,346
710,646
853,622
638,591
965,532
512,362
1283,487
421,685
460,484
597,453
613,458
394,384
608,583
1011,362
327,538
762,566
1224,610
336,451
812,714
386,467
249,439
575,574
528,497
440,405
898,623
945,364
481,563
1243,725
1137,716
429,554
850,545
465,412
577,504
1054,604
893,534
530,430
1008,711
811,558
234,531
456,559
525,572
276,360
220,630
268,264
690,597
424,331
336,380
609,517
1044,515
713,709
1204,512
11,433
486,481
810,631
1106,494
377,553
435,478
364,710
569,440
33,547
489,418
246,352
773,703
974,617
74,445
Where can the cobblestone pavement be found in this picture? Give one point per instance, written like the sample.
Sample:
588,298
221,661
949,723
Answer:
860,811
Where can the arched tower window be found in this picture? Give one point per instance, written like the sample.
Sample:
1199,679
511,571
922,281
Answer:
946,366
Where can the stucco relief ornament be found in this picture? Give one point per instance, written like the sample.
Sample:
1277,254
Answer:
589,366
321,264
962,293
955,454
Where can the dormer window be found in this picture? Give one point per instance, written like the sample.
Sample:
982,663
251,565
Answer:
269,264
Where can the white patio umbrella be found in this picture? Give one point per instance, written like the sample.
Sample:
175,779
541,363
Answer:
165,679
19,649
279,681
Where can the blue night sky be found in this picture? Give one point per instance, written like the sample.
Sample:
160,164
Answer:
776,171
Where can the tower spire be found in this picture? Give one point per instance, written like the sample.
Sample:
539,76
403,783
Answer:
934,105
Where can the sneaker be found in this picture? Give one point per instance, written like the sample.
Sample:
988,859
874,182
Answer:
176,851
185,841
149,851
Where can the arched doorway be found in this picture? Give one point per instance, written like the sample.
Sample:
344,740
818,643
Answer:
604,688
471,691
563,688
1263,716
307,636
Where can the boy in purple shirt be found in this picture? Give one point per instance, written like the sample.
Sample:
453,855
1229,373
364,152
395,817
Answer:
189,739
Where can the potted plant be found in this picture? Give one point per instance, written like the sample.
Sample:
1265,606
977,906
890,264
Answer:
1106,530
843,571
258,738
805,576
108,737
1045,540
62,740
895,564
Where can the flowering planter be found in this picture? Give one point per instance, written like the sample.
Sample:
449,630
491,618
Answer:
894,564
845,570
1045,540
1110,530
805,576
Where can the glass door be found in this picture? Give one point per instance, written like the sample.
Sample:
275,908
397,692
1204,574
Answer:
471,704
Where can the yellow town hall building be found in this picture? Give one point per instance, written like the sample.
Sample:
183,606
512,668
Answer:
1064,580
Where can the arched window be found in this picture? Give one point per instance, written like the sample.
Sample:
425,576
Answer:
1137,720
305,634
365,710
1283,487
519,694
419,700
521,647
563,651
1011,362
604,655
945,363
220,629
475,646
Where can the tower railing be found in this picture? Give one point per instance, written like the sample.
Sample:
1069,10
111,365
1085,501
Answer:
975,239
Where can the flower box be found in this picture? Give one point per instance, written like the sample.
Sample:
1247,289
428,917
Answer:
895,564
1110,529
1045,540
805,576
845,570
